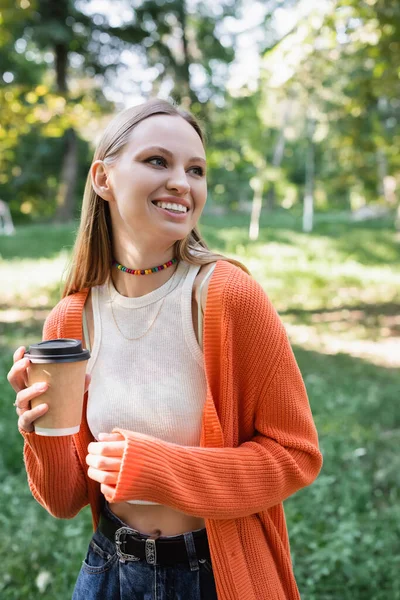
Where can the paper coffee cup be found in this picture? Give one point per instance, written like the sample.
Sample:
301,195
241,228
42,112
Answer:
62,364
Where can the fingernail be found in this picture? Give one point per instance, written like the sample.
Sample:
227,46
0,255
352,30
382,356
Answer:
40,387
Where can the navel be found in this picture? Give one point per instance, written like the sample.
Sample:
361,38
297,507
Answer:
156,534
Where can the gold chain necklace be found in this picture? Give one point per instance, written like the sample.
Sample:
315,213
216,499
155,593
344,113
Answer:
153,321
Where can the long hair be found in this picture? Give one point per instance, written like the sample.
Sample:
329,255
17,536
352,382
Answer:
92,253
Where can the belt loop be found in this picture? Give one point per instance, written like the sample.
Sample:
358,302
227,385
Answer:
150,551
191,551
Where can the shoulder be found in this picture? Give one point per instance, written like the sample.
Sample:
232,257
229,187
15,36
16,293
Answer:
65,318
232,287
243,306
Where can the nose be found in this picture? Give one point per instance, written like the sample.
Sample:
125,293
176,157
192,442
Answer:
178,181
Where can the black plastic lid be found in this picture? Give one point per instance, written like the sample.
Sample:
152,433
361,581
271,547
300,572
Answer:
60,350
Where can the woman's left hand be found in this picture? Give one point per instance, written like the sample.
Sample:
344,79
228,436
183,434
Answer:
105,459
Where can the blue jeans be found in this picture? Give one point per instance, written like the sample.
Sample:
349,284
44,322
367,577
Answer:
104,576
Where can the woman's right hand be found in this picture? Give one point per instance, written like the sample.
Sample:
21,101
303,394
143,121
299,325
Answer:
17,377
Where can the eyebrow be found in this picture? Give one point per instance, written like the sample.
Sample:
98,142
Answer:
169,154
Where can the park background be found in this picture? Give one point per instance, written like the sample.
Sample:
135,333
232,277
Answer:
301,104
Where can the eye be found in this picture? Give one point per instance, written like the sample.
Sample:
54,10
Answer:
155,158
200,171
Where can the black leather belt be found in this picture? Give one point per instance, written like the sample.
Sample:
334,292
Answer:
131,547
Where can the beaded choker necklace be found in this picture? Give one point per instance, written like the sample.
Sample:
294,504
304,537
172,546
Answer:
145,271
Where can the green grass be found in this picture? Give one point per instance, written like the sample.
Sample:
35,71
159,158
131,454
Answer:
335,287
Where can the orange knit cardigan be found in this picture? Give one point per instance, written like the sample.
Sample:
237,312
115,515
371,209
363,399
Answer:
258,444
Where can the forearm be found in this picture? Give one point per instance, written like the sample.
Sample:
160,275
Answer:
55,476
215,483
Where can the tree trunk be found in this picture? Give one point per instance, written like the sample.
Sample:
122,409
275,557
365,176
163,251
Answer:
6,222
66,191
386,184
61,64
271,197
278,156
308,206
187,95
397,219
257,184
65,208
382,171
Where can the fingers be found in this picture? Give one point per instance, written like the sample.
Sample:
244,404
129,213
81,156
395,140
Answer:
103,463
26,419
17,374
107,490
24,396
106,477
23,406
19,353
107,448
111,437
105,458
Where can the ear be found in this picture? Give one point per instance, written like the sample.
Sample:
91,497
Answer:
101,181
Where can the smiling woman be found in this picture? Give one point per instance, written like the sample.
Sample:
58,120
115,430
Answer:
194,430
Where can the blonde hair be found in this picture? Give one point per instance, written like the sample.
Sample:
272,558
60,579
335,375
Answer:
92,253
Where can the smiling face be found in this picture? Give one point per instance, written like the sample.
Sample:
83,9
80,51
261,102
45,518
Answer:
162,164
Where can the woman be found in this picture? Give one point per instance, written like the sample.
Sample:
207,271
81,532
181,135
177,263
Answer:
191,436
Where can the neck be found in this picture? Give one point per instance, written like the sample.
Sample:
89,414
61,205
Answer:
133,286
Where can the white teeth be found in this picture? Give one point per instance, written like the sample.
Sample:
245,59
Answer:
172,206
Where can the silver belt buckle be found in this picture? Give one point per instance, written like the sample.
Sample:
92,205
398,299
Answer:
119,541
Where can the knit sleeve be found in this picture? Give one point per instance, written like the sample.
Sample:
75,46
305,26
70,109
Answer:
55,476
280,457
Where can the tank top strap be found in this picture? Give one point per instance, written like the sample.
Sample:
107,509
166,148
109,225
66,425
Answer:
187,297
86,338
200,313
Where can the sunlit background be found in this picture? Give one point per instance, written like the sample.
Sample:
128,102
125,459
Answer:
301,104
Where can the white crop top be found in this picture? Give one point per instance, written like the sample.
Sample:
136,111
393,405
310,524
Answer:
155,384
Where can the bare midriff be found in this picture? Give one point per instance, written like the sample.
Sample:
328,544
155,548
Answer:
156,520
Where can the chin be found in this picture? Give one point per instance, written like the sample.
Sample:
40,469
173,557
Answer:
179,233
